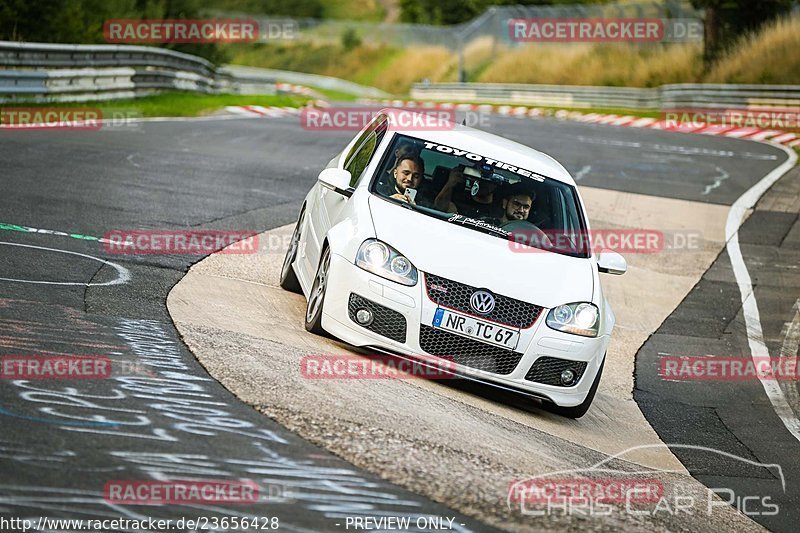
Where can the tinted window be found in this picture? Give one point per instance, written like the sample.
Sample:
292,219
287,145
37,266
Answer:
482,194
364,148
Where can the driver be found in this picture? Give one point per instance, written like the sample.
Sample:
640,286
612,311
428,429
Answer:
517,203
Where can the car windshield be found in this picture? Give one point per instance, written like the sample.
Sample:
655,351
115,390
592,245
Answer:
483,194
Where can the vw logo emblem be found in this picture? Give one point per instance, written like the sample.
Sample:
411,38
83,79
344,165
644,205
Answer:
482,302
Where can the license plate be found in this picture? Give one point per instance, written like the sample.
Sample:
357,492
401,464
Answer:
477,329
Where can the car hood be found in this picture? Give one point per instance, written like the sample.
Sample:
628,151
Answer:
483,261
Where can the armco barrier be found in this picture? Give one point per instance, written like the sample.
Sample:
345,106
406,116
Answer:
77,72
302,78
55,56
676,96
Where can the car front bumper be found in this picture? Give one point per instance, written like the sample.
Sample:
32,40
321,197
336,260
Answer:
417,309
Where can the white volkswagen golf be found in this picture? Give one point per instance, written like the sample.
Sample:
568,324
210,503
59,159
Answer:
457,244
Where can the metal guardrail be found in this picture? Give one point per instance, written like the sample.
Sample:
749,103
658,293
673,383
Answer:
675,96
687,95
301,78
77,72
53,56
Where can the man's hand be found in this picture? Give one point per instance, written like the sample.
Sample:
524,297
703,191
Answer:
455,177
403,198
443,199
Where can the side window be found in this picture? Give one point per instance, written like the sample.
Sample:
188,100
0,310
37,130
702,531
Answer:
364,148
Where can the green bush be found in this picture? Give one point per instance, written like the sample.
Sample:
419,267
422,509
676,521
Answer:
350,39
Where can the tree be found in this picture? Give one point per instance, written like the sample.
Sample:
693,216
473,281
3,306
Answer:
727,20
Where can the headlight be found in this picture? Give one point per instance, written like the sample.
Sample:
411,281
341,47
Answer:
578,318
386,262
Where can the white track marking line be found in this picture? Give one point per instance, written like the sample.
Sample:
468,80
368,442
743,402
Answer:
791,343
723,175
123,275
755,334
582,172
130,160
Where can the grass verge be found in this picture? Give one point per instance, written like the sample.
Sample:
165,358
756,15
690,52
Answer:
768,56
176,104
333,95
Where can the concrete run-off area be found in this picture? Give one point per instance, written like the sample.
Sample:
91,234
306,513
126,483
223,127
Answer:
458,443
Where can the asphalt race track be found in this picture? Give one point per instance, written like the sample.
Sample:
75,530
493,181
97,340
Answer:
161,416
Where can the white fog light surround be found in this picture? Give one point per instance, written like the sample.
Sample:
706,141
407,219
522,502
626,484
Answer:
581,318
386,262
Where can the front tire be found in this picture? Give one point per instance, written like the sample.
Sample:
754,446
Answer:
316,298
581,409
289,279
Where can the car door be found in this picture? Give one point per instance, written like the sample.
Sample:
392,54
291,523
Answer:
329,203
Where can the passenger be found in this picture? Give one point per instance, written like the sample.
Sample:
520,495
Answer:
407,175
404,150
480,202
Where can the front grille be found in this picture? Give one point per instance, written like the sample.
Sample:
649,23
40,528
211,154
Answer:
456,296
547,370
386,322
467,352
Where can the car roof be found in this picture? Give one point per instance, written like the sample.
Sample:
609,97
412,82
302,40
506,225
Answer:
484,143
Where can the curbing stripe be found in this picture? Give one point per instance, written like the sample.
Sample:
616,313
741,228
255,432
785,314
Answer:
716,130
763,135
756,134
785,138
739,133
